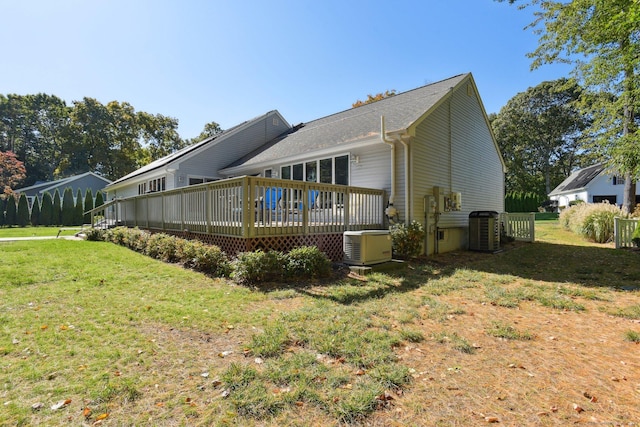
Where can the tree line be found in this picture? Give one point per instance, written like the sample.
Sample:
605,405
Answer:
50,210
55,140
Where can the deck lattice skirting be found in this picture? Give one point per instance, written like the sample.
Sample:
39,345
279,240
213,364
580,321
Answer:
330,244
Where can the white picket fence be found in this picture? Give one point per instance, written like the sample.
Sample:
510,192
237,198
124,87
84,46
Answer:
623,231
520,226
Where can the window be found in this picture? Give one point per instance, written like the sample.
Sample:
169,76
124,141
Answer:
285,172
333,170
601,199
311,172
618,180
342,170
326,171
195,181
267,173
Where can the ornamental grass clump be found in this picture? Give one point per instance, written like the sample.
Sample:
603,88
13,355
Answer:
593,221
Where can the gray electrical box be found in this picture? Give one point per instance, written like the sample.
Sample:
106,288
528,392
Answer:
484,231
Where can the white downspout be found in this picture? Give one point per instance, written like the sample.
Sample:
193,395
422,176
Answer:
407,176
390,211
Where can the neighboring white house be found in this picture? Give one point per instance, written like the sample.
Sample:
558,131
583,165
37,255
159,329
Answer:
593,184
431,149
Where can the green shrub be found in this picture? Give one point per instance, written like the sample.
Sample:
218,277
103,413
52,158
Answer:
308,261
46,210
635,237
251,268
35,212
78,215
68,207
407,240
135,239
205,258
56,212
23,214
116,235
10,217
162,247
96,234
88,205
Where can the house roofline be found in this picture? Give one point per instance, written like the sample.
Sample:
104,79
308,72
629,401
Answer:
190,151
241,169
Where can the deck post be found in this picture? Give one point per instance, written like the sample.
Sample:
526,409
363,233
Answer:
207,209
345,205
249,208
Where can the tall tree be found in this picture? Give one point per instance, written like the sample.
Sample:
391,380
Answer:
602,39
159,135
46,210
68,207
23,215
34,127
78,216
56,211
35,212
88,205
539,134
12,173
10,213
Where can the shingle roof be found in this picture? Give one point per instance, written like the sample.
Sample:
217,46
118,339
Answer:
349,126
44,186
163,161
578,179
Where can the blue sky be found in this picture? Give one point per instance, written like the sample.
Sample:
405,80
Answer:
229,61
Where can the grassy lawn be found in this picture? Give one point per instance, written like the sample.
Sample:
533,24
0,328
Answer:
36,231
539,334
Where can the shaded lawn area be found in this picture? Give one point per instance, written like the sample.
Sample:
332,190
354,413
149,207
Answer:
540,334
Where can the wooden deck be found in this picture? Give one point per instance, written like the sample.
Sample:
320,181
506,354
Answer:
247,212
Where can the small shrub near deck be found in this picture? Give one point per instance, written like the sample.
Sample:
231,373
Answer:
251,268
192,254
163,247
406,240
96,235
308,261
204,258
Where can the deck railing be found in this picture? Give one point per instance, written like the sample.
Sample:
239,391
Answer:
520,226
253,207
623,231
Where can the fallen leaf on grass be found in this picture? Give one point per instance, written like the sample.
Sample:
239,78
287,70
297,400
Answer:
86,412
60,404
43,327
37,406
577,408
102,416
492,419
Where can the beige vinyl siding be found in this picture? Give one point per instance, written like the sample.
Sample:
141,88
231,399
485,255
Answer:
373,169
459,158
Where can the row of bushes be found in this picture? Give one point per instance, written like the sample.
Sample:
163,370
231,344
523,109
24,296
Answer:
52,210
594,221
249,268
522,202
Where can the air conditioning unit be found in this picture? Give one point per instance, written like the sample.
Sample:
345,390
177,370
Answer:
367,247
